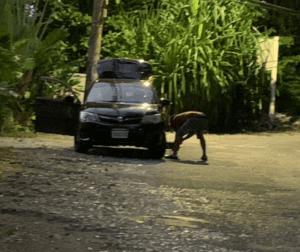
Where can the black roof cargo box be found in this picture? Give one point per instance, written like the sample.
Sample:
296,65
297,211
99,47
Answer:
123,68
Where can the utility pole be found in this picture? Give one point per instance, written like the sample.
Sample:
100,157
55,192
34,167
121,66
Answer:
99,13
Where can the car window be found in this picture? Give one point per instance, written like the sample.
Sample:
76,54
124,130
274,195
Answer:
128,92
136,92
102,92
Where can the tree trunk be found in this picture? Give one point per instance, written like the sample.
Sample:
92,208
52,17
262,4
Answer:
95,44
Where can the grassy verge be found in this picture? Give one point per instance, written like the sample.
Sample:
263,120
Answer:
19,134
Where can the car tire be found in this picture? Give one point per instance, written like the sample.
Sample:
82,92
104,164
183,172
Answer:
80,146
157,148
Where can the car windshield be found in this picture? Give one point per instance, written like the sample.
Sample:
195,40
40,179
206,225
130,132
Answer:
128,92
102,92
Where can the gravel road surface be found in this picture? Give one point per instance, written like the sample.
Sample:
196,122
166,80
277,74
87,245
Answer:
117,199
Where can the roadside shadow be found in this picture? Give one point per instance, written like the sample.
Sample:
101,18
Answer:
123,152
98,153
200,162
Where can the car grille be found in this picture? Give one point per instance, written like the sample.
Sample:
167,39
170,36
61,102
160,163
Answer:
115,120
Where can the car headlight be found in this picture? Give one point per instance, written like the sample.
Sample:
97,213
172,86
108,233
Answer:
152,119
88,117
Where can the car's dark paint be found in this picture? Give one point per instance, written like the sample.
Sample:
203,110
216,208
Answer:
132,114
100,133
121,109
58,116
111,120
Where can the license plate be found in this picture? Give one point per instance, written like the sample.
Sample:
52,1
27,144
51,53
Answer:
119,133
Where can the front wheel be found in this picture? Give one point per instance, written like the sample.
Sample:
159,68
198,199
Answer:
79,145
157,148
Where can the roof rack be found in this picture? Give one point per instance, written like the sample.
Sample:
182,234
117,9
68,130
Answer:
123,68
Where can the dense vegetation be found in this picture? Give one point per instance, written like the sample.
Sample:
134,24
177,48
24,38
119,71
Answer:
204,56
29,48
287,27
203,53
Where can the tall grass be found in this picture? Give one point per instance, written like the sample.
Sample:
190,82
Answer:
203,53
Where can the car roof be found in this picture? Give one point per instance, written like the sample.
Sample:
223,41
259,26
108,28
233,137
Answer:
114,80
121,68
124,60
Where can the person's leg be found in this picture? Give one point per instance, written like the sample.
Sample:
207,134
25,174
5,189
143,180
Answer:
176,145
183,130
177,142
202,124
203,145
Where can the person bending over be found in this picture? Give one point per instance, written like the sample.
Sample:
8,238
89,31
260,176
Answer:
186,125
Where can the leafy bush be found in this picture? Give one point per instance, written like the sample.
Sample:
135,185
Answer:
203,54
9,72
77,23
4,100
26,53
288,84
288,99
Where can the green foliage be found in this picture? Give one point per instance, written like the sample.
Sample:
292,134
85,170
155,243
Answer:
286,41
5,96
6,17
286,26
283,22
9,72
288,100
9,65
77,24
26,53
203,55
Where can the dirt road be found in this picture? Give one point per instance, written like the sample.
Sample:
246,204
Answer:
245,198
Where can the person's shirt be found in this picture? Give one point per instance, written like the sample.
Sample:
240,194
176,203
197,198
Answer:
177,120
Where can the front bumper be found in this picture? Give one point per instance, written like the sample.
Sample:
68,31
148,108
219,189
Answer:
101,134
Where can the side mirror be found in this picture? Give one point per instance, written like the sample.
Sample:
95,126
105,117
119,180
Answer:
164,102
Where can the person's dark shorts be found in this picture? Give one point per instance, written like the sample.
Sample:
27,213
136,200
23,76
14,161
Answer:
194,125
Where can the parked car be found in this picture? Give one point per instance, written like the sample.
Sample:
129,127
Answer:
118,110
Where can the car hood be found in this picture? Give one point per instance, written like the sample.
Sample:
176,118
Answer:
121,109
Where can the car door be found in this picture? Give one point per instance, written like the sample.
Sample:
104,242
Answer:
57,115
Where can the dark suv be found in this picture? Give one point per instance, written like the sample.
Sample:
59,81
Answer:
117,111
